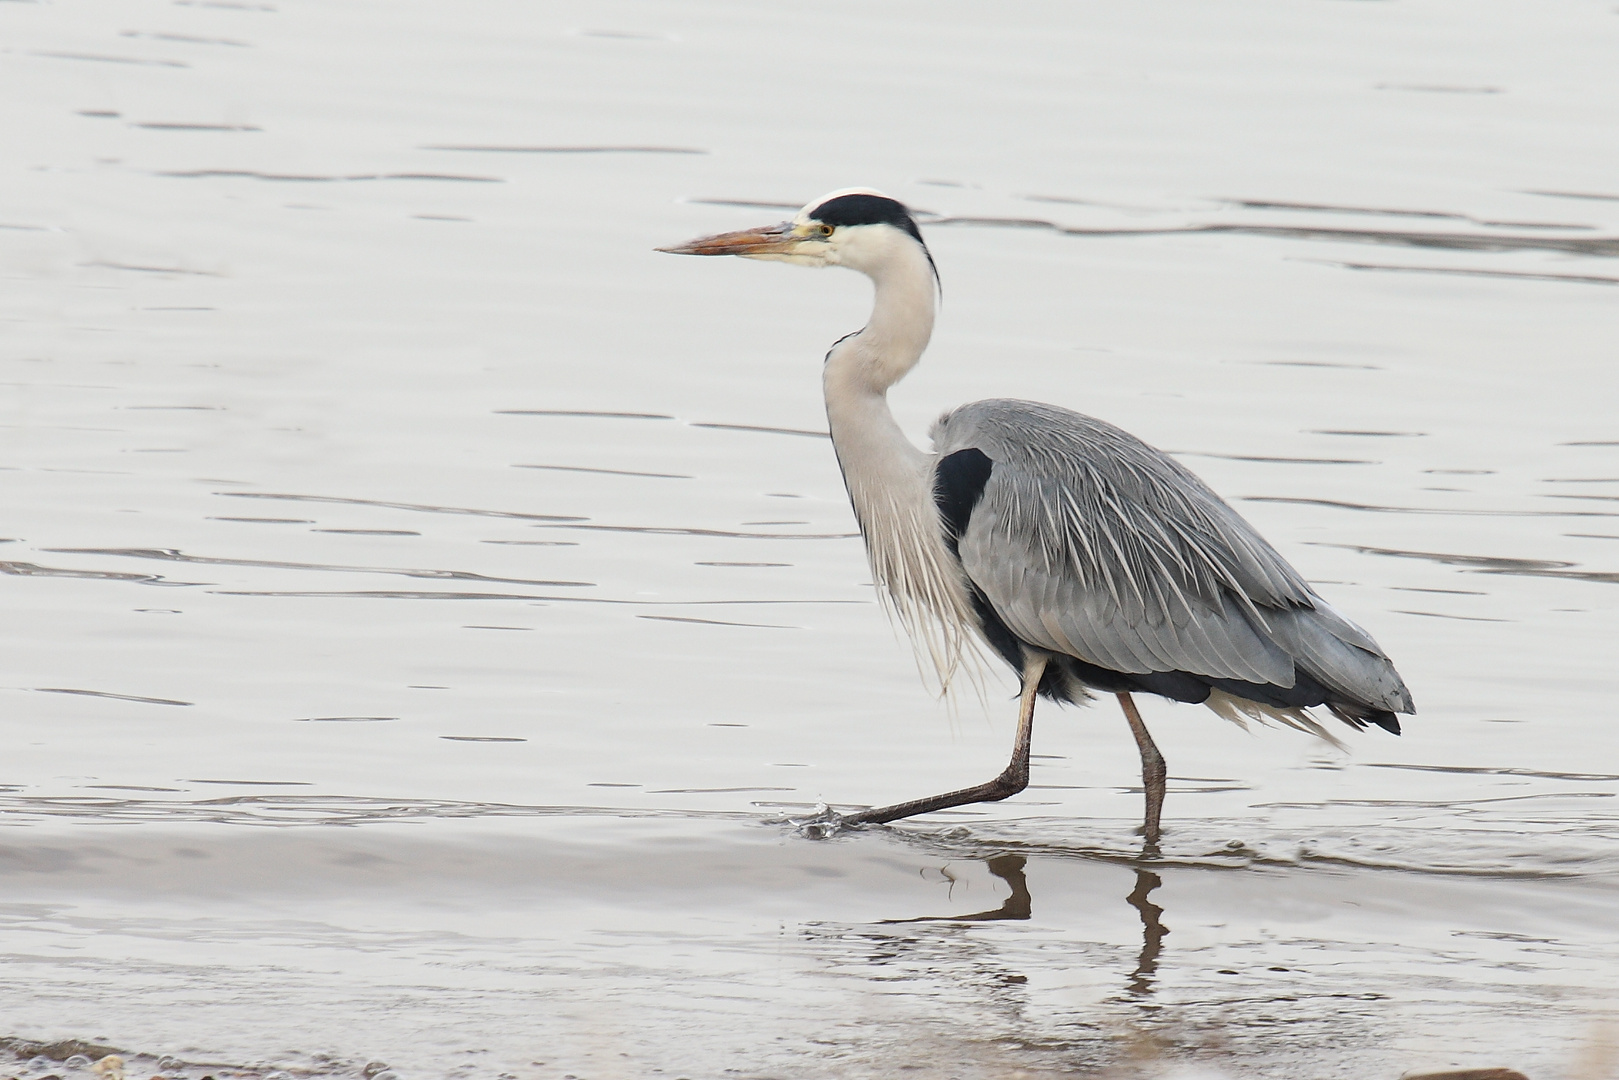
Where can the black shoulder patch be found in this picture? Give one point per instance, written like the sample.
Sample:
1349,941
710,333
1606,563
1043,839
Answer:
867,210
958,484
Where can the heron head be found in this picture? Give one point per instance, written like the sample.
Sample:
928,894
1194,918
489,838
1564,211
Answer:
857,227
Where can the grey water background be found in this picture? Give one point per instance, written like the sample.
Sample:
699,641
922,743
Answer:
421,598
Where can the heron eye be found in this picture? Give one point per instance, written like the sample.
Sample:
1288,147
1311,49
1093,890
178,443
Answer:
824,229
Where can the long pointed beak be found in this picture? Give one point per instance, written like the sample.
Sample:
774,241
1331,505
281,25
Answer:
769,240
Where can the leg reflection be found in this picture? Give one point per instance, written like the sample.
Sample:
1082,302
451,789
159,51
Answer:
1152,932
1009,868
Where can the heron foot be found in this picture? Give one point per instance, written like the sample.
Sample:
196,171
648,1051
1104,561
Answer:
824,824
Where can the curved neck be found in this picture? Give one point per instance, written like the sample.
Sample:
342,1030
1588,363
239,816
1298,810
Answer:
867,363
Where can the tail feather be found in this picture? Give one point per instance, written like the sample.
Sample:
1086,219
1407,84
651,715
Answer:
1358,716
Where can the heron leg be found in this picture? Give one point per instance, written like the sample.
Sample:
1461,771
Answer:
1153,770
1013,779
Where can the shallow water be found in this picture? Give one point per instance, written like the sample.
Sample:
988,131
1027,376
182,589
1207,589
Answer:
425,601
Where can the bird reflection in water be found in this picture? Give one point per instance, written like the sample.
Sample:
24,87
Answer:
1009,868
1020,905
1152,933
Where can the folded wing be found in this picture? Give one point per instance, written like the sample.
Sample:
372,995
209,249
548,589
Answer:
1087,542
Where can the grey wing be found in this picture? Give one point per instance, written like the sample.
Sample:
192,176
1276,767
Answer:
1090,543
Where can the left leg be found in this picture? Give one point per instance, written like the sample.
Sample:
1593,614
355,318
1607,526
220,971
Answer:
1013,779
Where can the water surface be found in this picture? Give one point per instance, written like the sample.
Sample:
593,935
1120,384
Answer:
424,600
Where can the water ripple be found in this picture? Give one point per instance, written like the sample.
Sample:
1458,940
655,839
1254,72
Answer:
306,810
1521,275
424,508
1600,246
1435,510
28,569
569,149
172,555
1489,564
311,178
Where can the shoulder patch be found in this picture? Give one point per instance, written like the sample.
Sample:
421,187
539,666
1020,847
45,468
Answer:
958,484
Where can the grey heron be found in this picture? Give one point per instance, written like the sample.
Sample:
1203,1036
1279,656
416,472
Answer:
1088,560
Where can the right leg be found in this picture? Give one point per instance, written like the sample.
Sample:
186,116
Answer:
1153,771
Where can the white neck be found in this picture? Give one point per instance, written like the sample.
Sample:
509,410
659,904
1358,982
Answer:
889,479
861,367
901,323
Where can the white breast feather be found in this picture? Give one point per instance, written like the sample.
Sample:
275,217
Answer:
920,583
